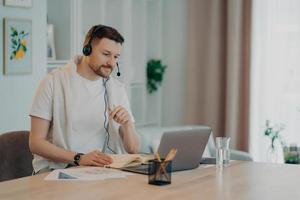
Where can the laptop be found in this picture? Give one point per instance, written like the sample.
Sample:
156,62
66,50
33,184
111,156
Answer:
190,145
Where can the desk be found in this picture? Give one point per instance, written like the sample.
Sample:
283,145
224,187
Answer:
242,180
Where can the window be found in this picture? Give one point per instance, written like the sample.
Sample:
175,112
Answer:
275,75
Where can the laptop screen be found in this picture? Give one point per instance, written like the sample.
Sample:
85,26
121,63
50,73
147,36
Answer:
190,144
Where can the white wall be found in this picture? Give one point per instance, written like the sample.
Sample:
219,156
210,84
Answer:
16,91
174,48
62,24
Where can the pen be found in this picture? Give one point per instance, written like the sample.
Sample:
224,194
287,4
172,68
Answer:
170,156
157,156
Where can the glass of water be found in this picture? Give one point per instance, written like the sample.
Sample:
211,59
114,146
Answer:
222,151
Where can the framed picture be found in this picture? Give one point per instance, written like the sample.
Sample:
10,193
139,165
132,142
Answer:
18,3
17,46
50,43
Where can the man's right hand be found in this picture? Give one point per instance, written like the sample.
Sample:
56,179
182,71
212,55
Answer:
95,158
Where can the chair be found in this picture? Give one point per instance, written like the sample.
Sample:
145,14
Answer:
16,158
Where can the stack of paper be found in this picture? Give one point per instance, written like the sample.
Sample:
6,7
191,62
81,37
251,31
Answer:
86,174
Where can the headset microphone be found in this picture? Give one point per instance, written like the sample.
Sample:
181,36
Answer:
118,73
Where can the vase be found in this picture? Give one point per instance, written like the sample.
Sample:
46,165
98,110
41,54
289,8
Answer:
272,155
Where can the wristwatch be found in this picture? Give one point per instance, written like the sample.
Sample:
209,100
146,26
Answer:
77,158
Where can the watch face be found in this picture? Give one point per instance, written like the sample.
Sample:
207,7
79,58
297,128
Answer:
77,158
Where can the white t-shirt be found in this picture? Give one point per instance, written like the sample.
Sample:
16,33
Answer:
87,105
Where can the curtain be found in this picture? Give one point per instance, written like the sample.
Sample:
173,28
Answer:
218,67
275,83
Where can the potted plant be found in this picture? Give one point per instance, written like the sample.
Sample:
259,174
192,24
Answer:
274,133
291,154
155,73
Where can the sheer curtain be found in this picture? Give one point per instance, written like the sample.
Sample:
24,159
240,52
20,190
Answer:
275,72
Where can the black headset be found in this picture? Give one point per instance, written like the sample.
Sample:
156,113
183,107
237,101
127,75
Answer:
87,49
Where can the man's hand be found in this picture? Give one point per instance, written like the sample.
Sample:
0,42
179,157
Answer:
127,129
95,158
120,115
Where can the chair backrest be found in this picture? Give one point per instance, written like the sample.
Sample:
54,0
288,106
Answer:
15,155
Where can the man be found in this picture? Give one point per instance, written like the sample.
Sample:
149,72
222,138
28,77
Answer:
73,105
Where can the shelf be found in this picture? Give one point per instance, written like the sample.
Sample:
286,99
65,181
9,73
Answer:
55,62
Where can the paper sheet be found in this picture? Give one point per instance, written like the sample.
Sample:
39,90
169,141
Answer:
86,174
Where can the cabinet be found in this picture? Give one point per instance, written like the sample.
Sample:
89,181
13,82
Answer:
139,21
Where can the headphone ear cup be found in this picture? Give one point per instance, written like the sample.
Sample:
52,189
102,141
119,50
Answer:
87,50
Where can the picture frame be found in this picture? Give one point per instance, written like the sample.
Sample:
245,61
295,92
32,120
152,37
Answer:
18,3
51,54
17,46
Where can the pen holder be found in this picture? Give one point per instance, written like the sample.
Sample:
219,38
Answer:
159,172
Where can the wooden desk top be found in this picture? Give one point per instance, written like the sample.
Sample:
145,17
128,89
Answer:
242,180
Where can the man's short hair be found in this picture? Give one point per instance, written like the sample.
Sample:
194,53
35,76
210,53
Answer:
101,31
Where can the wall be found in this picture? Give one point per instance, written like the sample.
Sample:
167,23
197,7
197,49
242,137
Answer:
174,48
62,24
16,91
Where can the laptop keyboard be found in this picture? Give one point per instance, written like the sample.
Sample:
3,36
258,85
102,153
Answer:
141,169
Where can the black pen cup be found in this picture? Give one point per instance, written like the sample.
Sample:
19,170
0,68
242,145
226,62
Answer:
159,172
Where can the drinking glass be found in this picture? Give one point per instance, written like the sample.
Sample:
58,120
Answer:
222,151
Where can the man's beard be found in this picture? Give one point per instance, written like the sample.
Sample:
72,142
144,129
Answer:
97,70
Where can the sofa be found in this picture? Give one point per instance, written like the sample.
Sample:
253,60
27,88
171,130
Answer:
150,138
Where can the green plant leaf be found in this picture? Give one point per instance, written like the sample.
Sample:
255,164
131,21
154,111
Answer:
24,48
273,132
14,32
14,42
155,72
